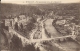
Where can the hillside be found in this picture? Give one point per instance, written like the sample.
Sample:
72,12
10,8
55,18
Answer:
40,9
13,9
62,9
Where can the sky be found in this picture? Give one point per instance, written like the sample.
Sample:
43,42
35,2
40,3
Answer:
38,1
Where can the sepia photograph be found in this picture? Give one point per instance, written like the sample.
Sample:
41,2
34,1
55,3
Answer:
40,25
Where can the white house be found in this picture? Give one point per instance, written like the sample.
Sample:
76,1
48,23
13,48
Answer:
21,17
60,22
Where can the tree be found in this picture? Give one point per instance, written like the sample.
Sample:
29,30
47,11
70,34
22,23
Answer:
16,43
21,27
29,47
16,26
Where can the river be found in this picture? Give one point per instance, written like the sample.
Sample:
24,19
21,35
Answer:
51,29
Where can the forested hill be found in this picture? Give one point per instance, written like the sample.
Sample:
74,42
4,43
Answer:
62,9
13,9
40,9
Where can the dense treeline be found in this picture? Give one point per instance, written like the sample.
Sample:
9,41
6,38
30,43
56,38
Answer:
12,9
16,44
40,9
62,9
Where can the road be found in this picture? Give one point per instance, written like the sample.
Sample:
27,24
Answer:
49,39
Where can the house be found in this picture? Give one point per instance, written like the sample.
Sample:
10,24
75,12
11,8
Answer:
58,17
38,19
16,19
61,22
21,17
8,22
68,17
